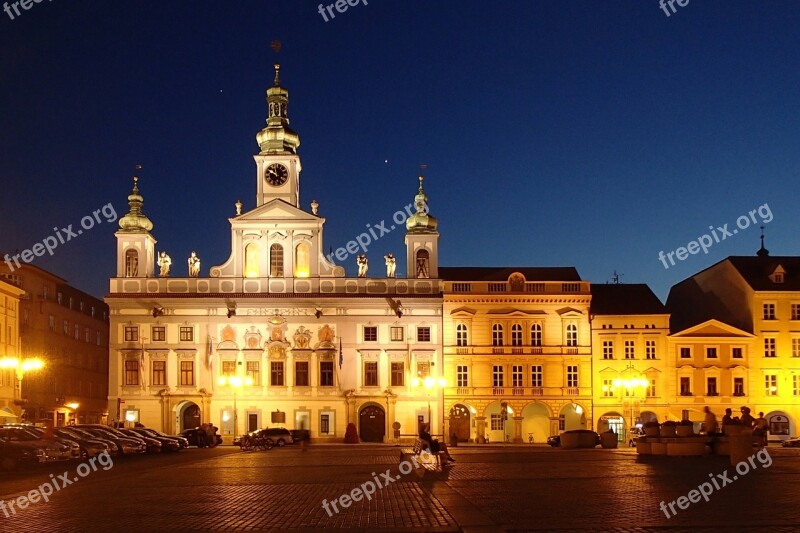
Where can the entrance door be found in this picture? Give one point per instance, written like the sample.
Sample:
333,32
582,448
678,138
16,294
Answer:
372,423
252,422
190,418
459,422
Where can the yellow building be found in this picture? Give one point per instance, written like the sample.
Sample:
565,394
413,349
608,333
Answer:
9,348
515,339
630,326
753,304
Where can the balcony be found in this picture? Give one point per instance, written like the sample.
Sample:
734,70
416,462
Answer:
518,391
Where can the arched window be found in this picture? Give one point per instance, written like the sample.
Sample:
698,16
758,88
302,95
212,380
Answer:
516,335
461,335
572,335
497,335
131,264
423,264
302,260
536,335
276,261
251,261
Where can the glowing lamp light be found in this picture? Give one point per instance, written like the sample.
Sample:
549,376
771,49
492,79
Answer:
773,388
415,382
617,382
442,382
32,364
9,363
578,409
130,416
302,272
222,380
428,382
73,405
226,416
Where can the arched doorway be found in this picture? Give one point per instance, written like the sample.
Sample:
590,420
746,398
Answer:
779,425
572,416
536,422
648,416
613,421
459,422
372,423
187,416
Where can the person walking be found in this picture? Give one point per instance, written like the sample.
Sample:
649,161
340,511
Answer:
760,430
710,422
201,435
211,435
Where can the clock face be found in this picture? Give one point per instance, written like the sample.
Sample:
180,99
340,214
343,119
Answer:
276,174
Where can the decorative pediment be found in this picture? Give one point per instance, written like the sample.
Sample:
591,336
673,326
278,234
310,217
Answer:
252,338
277,350
275,210
370,355
302,338
463,312
325,336
568,312
512,311
712,328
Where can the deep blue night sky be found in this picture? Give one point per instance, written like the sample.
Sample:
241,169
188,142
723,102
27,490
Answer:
566,132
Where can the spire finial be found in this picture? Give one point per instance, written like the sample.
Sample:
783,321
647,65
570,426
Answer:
762,252
276,47
136,169
422,168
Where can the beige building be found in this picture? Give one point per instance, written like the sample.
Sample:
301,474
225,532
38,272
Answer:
736,338
630,355
516,340
278,335
9,349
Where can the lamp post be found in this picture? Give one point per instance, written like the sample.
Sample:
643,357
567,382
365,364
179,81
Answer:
429,384
21,366
236,383
630,384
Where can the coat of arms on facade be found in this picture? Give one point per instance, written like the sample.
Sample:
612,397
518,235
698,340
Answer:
302,338
228,334
252,338
325,337
517,283
277,351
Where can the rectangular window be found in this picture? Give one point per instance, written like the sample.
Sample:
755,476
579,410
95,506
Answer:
77,332
651,389
769,347
370,333
770,385
187,373
769,311
228,368
736,353
711,352
537,376
650,349
795,311
516,335
131,372
424,334
629,350
301,373
608,349
497,376
462,376
276,373
396,333
686,386
796,385
52,323
87,335
711,383
572,376
326,374
131,333
686,352
254,372
536,335
99,338
497,422
423,369
159,373
187,334
516,376
608,388
325,423
738,386
497,335
159,333
796,347
398,374
371,374
66,327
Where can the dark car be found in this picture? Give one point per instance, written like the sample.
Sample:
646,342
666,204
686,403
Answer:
168,443
279,436
14,453
191,436
74,447
794,442
300,435
53,450
78,433
554,441
153,445
88,447
126,444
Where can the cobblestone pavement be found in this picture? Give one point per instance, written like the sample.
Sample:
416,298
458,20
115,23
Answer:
488,489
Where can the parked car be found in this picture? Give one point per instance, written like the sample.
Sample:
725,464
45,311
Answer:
794,442
113,448
153,445
300,435
554,441
127,445
633,435
279,436
88,447
191,436
53,450
74,447
15,453
168,443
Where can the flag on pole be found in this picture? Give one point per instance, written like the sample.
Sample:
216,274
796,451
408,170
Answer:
210,353
341,354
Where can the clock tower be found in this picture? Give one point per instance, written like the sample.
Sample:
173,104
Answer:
277,164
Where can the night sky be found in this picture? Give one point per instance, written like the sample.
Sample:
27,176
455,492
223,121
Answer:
576,133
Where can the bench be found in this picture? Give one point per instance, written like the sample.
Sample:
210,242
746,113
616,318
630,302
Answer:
429,461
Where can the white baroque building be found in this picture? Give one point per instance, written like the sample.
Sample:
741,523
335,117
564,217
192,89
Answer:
277,335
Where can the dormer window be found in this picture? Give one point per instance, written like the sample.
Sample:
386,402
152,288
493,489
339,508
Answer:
778,275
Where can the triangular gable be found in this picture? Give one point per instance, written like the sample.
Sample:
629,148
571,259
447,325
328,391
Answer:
510,311
569,311
276,209
462,311
712,328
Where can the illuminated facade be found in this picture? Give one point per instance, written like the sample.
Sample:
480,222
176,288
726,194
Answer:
516,340
748,310
9,348
631,381
277,335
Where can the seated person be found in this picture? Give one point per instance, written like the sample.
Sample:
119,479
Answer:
433,445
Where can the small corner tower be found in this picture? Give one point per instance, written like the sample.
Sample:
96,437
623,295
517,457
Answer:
422,240
135,244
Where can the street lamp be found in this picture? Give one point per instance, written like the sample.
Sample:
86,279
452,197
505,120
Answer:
236,383
21,366
631,383
429,384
